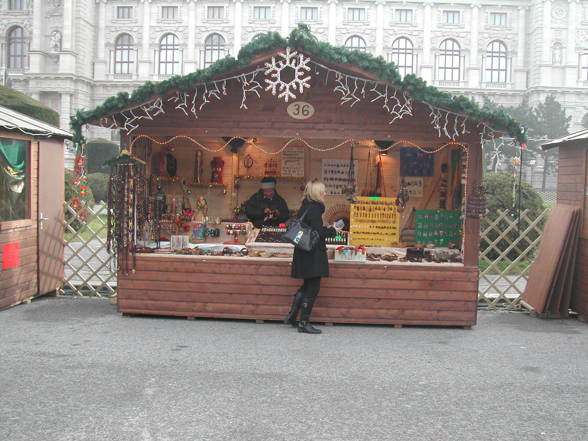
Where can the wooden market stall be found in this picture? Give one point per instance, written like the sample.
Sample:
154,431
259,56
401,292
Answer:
31,207
291,109
572,190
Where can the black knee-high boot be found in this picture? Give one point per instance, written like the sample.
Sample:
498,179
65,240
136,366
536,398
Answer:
296,302
304,325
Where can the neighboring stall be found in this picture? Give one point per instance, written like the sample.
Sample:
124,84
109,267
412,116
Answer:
31,207
572,190
401,161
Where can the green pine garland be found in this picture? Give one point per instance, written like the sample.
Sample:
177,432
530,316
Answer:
302,38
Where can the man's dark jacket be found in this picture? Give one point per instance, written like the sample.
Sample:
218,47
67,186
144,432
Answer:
257,204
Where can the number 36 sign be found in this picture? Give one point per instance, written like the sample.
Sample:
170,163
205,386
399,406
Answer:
300,110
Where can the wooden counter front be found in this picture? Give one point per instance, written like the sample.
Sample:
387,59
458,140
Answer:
261,289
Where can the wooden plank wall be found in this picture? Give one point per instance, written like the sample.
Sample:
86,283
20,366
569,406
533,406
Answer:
257,289
572,182
20,283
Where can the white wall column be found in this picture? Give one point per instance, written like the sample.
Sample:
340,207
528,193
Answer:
100,63
520,68
190,59
379,27
285,23
36,57
571,56
145,68
474,66
238,27
67,60
333,22
546,36
65,111
428,57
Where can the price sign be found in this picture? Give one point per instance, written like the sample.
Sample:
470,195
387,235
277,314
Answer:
300,110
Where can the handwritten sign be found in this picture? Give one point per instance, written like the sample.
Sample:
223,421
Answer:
293,162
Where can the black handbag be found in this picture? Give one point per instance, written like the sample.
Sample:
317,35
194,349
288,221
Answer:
301,235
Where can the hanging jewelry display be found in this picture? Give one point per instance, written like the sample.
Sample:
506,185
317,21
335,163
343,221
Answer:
127,213
476,203
350,188
217,165
197,167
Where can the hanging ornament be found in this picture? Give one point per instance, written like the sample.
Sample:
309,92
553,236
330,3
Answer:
287,75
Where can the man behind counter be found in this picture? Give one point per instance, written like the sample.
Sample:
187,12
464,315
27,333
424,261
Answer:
266,207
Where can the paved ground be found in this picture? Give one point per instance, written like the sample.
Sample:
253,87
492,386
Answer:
74,369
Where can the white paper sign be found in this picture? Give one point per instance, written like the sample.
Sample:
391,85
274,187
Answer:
293,162
335,175
414,186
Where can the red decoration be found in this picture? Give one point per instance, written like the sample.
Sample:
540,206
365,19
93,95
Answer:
10,255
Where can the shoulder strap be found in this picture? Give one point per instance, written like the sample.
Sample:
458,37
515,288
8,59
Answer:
303,214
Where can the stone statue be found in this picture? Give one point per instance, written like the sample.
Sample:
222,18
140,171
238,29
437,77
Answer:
55,41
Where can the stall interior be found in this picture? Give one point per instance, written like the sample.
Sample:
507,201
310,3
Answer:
398,201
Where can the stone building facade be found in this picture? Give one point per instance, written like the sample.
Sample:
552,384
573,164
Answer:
73,54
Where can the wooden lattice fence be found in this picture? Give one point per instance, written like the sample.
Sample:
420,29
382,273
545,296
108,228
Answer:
89,268
504,261
509,244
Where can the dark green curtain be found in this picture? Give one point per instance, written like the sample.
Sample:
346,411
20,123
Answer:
13,183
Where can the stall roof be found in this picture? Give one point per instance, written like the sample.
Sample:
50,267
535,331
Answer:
15,121
301,39
581,135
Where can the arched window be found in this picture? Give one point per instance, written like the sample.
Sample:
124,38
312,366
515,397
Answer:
495,65
449,62
584,63
403,55
169,55
356,43
124,54
18,48
585,121
214,49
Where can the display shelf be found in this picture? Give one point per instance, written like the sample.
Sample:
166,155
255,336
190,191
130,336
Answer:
285,178
210,185
168,178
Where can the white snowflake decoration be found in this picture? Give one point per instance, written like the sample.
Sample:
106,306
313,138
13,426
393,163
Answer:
295,61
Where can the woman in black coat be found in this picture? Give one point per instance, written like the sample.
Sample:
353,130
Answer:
310,265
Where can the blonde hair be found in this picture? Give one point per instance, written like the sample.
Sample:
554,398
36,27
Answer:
315,190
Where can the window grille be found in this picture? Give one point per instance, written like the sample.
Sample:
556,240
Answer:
215,13
169,55
402,55
15,5
124,12
214,49
124,54
356,14
449,61
496,59
169,12
355,42
498,19
451,17
262,12
403,15
18,48
309,13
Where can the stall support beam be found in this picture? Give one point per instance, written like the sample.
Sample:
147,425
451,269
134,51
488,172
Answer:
472,225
